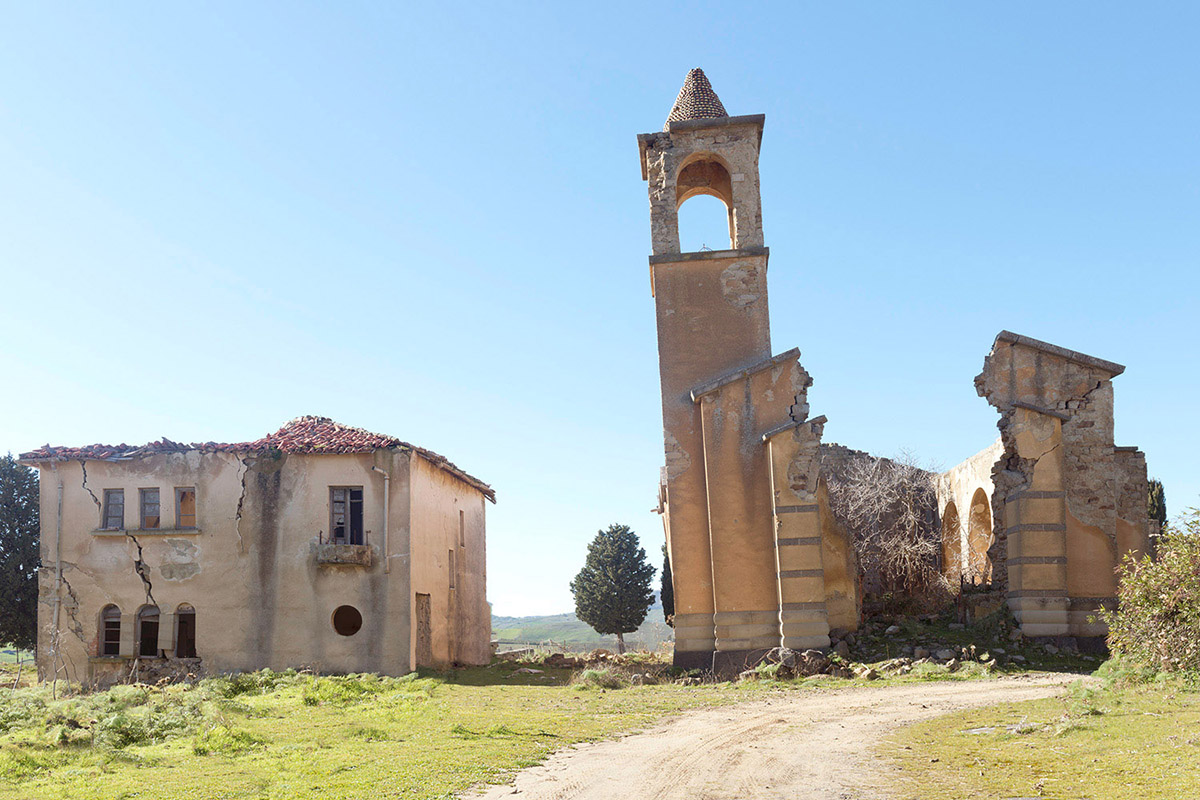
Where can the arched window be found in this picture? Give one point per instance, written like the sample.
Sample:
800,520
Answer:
705,224
147,631
185,631
110,631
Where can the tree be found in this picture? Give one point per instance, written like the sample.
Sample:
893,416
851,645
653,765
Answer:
890,509
668,590
18,553
612,591
1156,503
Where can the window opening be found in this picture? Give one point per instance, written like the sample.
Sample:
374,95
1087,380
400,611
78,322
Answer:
110,631
114,509
453,568
149,508
185,632
462,529
704,225
346,620
346,514
148,632
185,507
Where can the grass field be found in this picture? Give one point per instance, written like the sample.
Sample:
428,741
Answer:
289,735
1107,740
273,735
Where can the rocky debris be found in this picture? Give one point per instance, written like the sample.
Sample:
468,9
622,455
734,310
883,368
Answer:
528,671
944,655
843,650
1051,649
892,630
749,675
920,653
691,680
562,661
643,679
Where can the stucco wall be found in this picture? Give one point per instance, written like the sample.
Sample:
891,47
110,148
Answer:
449,516
249,568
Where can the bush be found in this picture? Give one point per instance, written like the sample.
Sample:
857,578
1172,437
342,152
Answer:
1157,622
224,740
601,679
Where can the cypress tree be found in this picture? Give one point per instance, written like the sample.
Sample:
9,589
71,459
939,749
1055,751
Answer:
668,590
612,591
19,555
1156,503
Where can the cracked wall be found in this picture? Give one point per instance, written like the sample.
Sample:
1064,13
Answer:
248,567
1061,485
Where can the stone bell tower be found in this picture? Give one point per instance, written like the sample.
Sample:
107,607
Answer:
756,559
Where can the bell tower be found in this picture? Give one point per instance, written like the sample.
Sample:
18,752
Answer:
739,492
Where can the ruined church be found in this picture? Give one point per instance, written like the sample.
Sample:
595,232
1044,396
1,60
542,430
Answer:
758,559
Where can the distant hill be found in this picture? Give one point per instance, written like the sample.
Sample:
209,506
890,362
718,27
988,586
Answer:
569,631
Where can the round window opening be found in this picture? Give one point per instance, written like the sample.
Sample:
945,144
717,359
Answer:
347,620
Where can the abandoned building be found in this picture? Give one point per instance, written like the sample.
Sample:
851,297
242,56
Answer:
756,558
1041,518
319,545
1067,503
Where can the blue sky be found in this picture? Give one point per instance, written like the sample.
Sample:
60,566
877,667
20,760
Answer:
429,221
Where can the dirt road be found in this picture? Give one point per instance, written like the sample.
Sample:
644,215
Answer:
811,744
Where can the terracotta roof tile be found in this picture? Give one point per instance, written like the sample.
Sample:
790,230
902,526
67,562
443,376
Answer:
304,435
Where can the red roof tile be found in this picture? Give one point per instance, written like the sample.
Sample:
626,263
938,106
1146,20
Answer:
307,435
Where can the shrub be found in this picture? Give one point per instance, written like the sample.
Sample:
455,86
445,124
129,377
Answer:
1157,621
601,679
224,740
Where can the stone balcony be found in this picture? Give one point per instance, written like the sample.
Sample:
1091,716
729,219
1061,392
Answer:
354,555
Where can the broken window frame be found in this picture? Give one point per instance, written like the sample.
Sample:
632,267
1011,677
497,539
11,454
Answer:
113,511
353,508
148,620
181,519
185,643
110,631
145,504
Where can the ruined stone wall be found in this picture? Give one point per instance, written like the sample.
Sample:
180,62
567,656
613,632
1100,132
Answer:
966,494
1058,484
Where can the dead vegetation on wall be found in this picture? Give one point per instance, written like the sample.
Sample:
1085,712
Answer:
890,509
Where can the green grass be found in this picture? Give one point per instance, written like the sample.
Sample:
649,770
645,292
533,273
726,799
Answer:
293,735
287,735
567,629
1108,740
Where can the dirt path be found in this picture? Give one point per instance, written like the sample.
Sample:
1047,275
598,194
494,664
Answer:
812,744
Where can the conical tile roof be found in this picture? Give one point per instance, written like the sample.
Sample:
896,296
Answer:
696,100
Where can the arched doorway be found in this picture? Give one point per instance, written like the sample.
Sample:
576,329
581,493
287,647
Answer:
979,538
951,543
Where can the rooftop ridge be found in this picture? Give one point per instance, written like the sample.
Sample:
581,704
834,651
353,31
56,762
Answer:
306,435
